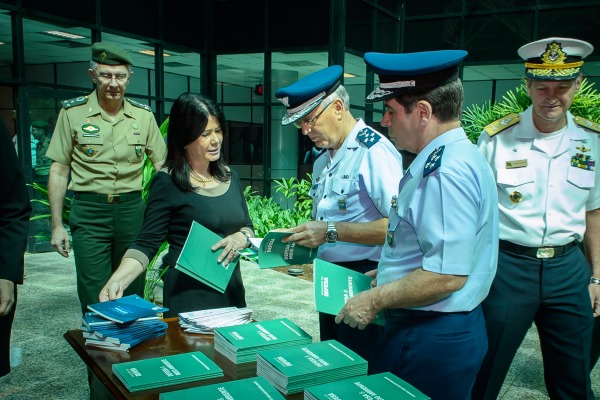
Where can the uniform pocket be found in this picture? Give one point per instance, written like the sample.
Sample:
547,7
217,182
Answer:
136,147
91,145
516,188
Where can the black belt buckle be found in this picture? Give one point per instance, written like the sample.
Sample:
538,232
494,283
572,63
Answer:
114,199
545,252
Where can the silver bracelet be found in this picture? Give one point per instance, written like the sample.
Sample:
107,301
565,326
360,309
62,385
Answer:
247,236
594,281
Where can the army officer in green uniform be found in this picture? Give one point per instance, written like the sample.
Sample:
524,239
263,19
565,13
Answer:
100,140
39,130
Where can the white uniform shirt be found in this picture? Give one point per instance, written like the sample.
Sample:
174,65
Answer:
550,197
357,185
446,221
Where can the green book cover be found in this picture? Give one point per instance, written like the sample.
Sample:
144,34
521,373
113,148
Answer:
200,262
164,371
262,333
312,359
274,253
384,386
256,388
334,285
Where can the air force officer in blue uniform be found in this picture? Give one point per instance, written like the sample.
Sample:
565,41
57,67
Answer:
440,255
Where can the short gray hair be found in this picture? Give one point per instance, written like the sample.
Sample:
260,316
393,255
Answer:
94,65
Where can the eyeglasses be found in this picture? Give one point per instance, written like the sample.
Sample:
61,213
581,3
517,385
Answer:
312,121
106,77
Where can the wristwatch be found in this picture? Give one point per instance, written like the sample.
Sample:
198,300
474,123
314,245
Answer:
331,234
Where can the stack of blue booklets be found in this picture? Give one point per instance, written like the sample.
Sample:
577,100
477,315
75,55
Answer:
123,323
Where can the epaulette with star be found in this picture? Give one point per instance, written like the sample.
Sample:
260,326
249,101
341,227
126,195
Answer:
368,136
77,101
501,124
140,105
587,124
433,161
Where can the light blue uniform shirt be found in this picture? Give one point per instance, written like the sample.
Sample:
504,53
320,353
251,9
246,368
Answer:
356,185
446,221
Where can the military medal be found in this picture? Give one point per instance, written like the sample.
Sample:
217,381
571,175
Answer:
583,149
515,197
342,205
138,150
395,203
582,161
89,152
390,238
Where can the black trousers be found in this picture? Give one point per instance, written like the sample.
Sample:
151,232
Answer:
5,332
365,343
553,294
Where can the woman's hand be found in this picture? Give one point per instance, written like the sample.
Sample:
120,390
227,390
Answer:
231,245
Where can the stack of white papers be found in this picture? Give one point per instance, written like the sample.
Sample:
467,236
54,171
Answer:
205,321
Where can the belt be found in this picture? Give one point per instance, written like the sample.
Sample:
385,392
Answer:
537,252
108,198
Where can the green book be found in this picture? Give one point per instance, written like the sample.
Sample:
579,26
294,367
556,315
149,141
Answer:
256,388
334,285
274,253
384,386
157,372
200,262
292,369
240,343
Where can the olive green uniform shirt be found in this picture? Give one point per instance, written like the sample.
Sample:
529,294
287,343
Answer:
42,162
105,156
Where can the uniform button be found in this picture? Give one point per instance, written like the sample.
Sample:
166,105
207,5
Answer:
321,218
342,190
325,196
330,174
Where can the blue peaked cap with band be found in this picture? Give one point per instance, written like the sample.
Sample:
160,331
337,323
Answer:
306,94
401,73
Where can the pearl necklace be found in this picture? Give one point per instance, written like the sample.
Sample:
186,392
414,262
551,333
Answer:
199,178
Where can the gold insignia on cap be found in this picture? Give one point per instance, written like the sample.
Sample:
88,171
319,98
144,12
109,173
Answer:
554,54
515,197
103,55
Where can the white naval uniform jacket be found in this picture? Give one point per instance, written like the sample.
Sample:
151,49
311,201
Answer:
543,203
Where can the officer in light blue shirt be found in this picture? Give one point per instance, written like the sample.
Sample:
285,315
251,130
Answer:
440,255
353,182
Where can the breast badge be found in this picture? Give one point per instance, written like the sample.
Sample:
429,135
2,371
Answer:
515,197
395,203
89,152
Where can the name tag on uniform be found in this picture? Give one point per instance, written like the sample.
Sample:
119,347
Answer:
516,164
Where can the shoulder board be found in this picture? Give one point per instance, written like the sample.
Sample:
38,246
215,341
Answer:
77,101
501,124
140,105
587,124
368,136
433,161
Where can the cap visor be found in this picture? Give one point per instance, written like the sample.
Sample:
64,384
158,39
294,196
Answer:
290,118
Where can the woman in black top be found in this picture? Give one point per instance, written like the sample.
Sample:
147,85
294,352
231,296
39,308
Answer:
194,185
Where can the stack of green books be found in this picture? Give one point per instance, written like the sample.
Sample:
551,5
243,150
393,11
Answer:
241,343
293,369
256,388
384,386
158,372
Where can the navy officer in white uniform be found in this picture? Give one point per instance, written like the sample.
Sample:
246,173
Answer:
549,199
441,250
354,181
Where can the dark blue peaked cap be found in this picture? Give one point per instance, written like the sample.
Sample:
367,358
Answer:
400,73
306,94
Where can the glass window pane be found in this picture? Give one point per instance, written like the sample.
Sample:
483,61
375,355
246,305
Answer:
182,70
137,17
288,25
483,42
439,34
239,75
6,55
249,26
77,10
359,26
288,67
388,33
478,5
579,23
431,7
44,52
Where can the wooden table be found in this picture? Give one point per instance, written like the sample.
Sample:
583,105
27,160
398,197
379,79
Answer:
176,341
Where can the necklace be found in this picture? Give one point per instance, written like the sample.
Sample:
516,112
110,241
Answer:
199,178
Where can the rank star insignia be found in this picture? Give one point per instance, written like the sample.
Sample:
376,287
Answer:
395,203
583,149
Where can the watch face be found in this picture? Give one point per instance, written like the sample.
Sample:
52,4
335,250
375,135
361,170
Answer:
331,236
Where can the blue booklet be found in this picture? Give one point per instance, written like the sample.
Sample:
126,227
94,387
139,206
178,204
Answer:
126,309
